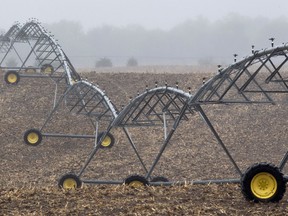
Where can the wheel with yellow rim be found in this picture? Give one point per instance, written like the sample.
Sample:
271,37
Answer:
136,181
47,69
30,69
263,182
159,179
11,77
108,141
32,137
69,181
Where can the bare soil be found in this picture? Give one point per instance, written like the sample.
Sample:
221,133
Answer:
29,175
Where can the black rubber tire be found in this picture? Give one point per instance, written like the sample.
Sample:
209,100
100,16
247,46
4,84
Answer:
8,80
107,135
61,182
159,179
136,178
255,169
45,66
27,140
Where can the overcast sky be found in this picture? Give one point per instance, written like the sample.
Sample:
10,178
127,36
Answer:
151,14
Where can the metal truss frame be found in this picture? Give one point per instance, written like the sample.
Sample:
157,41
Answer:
84,98
255,79
160,106
8,37
45,50
51,61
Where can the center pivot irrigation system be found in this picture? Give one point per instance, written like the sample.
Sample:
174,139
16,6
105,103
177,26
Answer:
257,78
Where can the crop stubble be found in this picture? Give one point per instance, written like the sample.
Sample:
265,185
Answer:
29,175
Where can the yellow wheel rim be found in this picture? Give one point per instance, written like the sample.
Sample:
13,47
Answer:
12,78
263,185
136,184
33,138
30,70
106,142
48,70
69,183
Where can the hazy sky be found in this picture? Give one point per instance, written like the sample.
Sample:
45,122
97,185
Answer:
162,14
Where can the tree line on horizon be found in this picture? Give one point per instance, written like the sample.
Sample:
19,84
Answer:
196,41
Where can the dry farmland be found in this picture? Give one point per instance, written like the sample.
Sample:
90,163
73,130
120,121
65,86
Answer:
28,175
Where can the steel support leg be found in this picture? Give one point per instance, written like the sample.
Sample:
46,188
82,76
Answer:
165,125
6,54
55,107
166,141
96,133
55,95
93,152
134,148
283,161
207,121
91,155
29,54
160,152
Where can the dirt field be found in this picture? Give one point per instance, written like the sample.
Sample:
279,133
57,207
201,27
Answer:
29,175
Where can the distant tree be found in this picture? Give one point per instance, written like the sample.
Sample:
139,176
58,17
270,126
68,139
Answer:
132,62
11,62
104,62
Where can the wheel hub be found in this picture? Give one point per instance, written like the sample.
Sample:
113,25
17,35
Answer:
12,78
33,138
136,184
264,185
48,70
69,184
106,142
